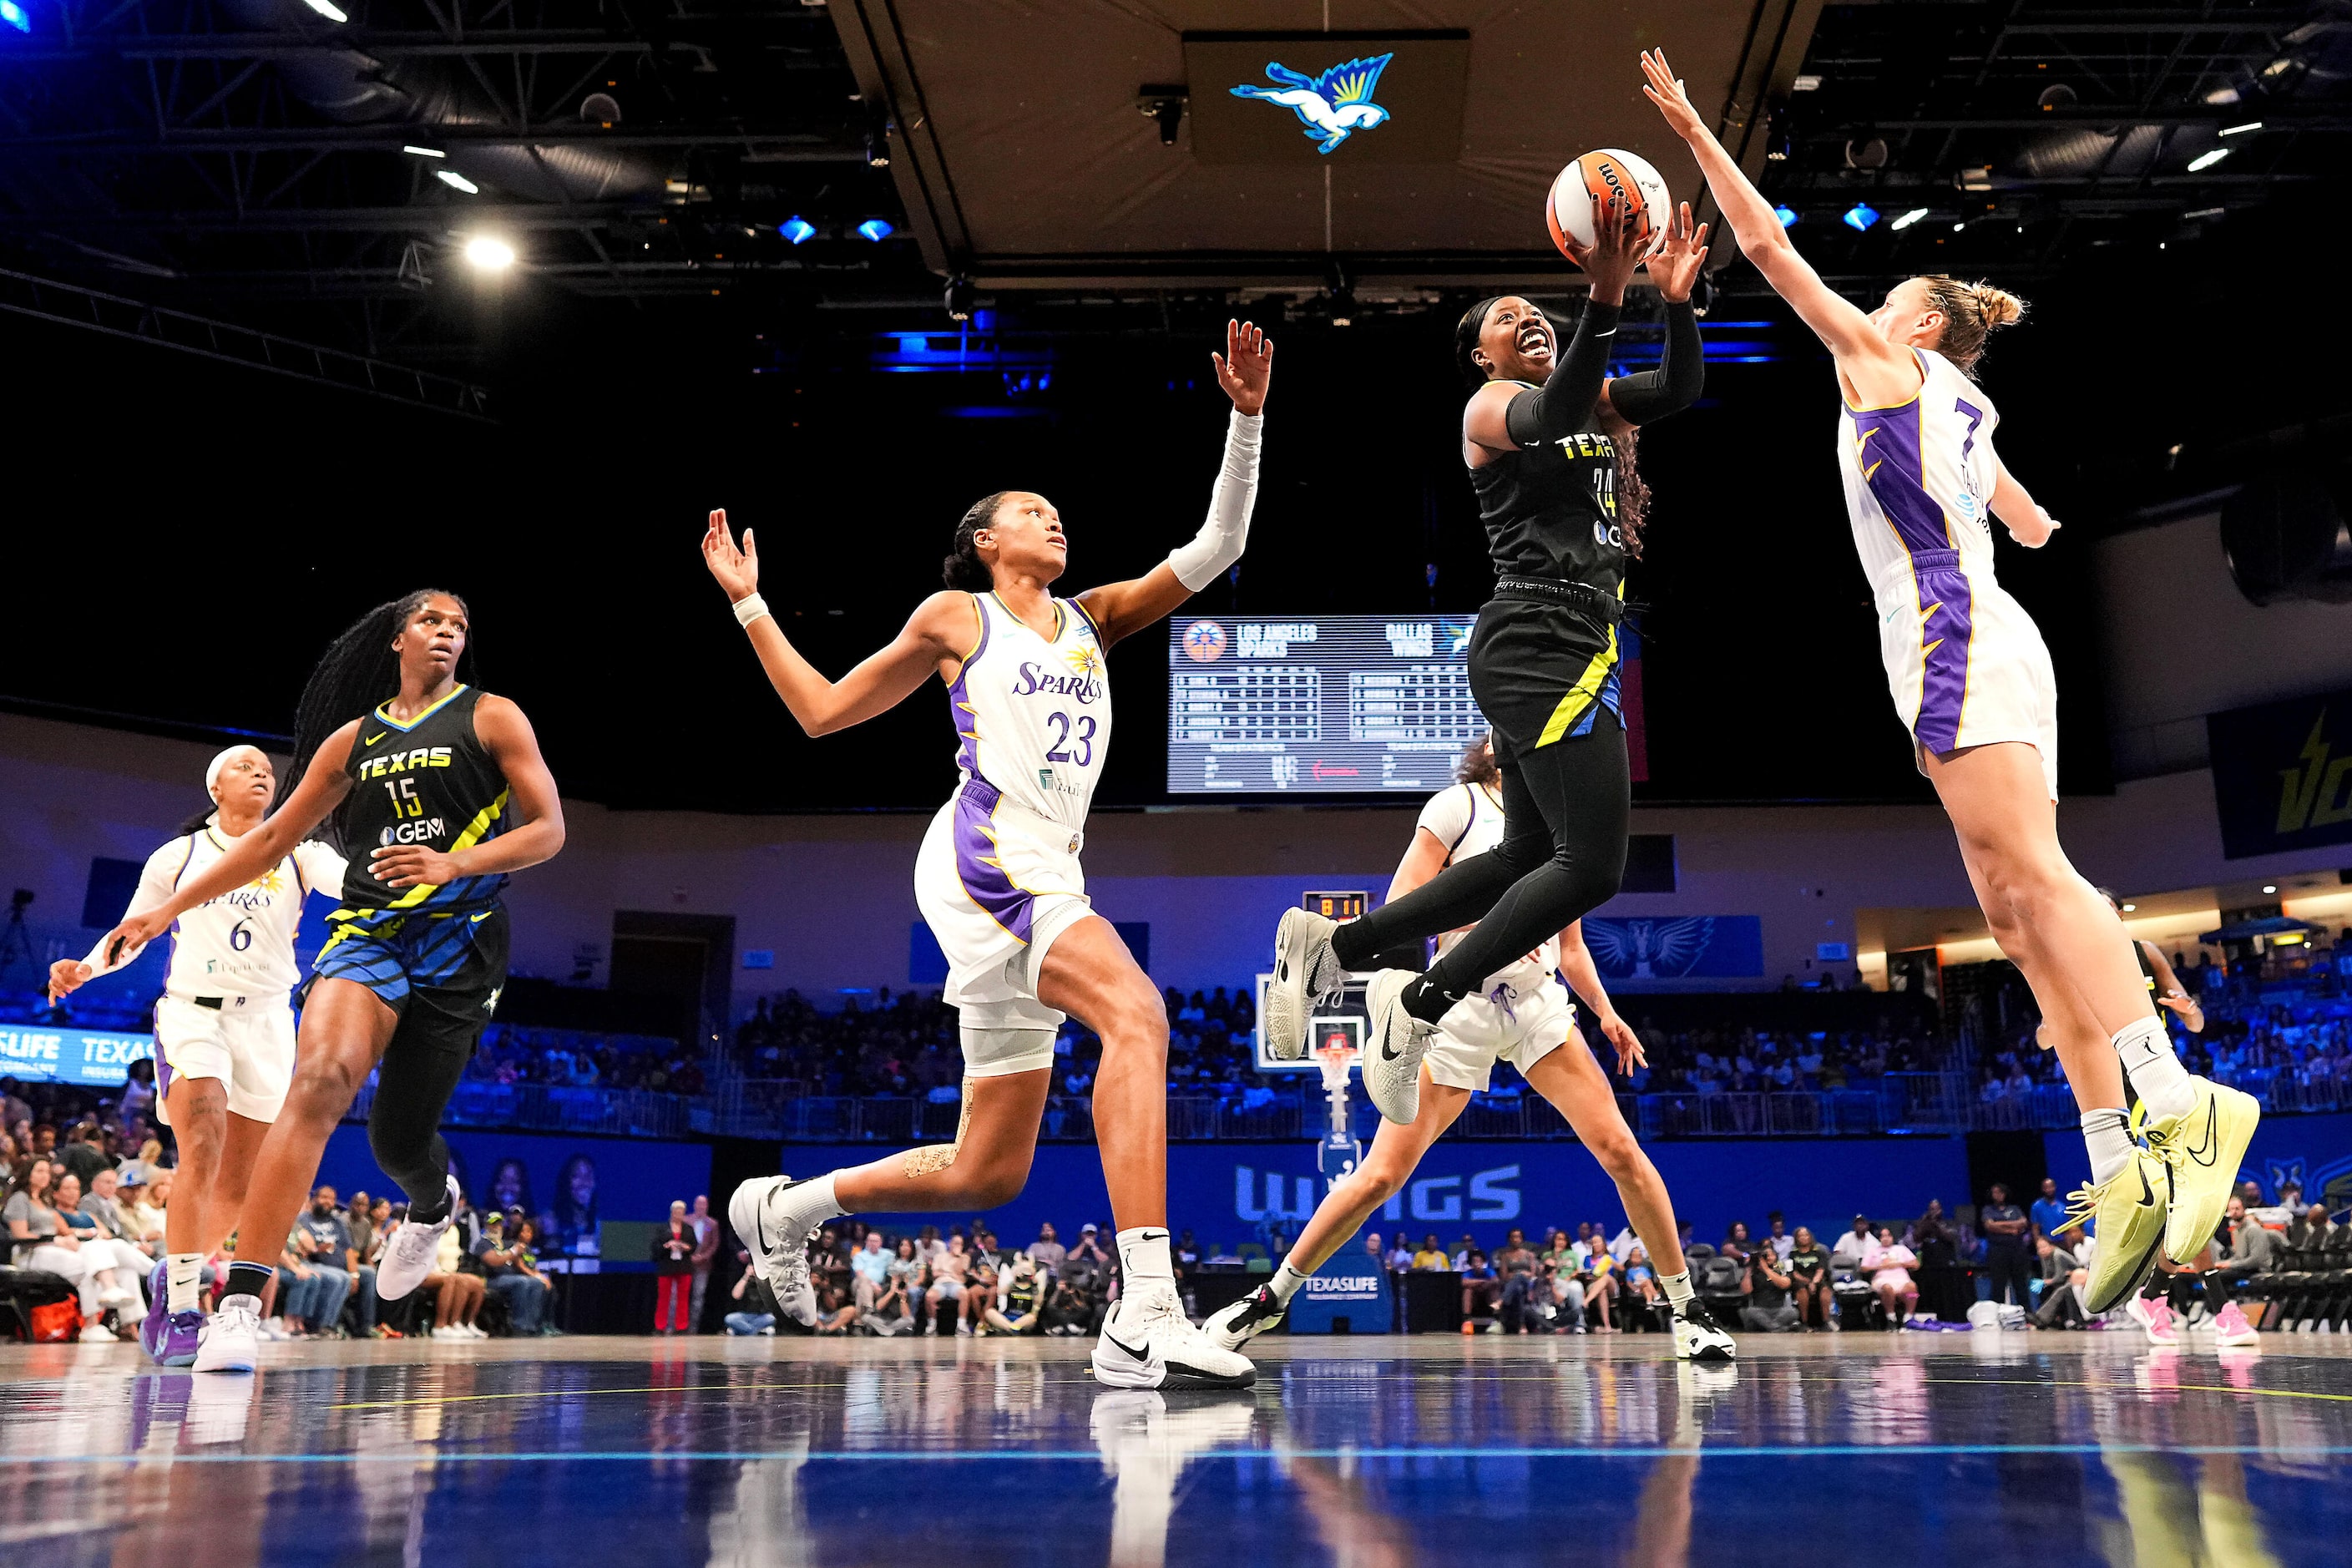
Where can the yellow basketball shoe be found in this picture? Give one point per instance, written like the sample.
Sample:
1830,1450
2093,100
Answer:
2127,1213
2204,1149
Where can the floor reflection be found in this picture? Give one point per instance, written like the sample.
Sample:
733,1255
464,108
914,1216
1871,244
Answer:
2000,1449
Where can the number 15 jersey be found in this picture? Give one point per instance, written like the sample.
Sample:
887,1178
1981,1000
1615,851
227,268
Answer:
428,780
1033,713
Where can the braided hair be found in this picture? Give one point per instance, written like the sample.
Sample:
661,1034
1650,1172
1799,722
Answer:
1633,495
963,568
358,672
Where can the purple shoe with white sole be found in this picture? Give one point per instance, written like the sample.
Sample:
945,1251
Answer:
169,1338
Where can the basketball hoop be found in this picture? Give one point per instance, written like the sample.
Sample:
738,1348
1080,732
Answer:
1336,1053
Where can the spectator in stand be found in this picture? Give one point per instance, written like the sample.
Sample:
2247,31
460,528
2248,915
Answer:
1047,1251
2310,1230
1779,1239
1516,1263
706,1251
84,1154
1089,1249
1479,1287
2245,1247
40,1239
1889,1264
1807,1268
1642,1281
2062,1277
1766,1307
871,1265
523,1289
1020,1298
1432,1259
980,1295
145,1165
1736,1243
835,1312
457,1294
310,1294
1399,1258
949,1271
1069,1306
1595,1269
331,1261
1855,1245
893,1311
2049,1213
673,1251
144,1213
2008,1265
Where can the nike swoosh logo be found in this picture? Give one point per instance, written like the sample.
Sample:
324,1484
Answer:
370,741
2146,1193
1122,1345
2212,1140
1389,1053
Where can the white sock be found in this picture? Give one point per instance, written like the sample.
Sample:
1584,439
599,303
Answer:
809,1204
1285,1282
2154,1070
1678,1288
1144,1262
2110,1145
186,1274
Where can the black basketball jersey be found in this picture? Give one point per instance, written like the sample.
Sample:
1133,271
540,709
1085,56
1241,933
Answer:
428,780
1551,511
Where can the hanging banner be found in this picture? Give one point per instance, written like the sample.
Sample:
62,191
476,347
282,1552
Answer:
2283,775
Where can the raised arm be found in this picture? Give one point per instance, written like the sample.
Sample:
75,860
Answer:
1681,374
538,811
1583,977
1121,609
324,784
1878,372
1503,416
942,628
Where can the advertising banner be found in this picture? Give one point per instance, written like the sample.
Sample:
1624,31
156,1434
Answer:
32,1052
2283,775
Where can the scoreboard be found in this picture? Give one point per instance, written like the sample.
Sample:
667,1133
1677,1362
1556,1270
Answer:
1336,705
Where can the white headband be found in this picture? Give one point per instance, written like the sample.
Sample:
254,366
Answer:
212,769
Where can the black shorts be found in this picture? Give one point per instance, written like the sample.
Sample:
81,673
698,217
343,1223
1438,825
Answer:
1541,672
441,974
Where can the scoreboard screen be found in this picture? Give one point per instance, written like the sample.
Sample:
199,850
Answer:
1336,705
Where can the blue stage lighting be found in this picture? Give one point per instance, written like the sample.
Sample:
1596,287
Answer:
13,15
1787,215
874,228
797,229
1859,216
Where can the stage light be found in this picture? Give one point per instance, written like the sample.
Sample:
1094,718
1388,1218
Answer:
1958,228
413,151
797,229
2235,130
489,254
1787,217
2129,908
328,9
876,229
2204,161
1859,216
457,182
959,299
1907,219
13,15
2270,886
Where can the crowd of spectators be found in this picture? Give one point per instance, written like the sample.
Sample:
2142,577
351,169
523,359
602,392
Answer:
965,1284
512,1054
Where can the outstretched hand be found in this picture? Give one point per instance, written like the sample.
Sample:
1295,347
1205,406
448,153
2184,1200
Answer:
1242,370
1627,1044
1674,266
738,570
1665,89
1615,253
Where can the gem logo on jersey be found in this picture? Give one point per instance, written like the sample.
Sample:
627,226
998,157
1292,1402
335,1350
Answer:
1204,642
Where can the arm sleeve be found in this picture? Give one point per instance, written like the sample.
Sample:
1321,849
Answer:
1563,405
1675,385
323,869
1220,542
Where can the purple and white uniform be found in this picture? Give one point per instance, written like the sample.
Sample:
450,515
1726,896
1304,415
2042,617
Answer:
1521,1013
1965,662
998,877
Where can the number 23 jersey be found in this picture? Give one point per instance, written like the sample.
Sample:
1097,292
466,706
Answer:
1033,713
428,780
243,941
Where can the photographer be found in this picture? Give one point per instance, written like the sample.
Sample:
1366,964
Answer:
1767,1309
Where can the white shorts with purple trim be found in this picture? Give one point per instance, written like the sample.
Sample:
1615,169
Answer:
1965,663
1506,1025
246,1042
997,883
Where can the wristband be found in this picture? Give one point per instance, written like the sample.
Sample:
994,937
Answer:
750,609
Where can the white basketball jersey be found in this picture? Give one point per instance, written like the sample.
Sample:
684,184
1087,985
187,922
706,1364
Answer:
1469,820
242,942
1033,713
1919,476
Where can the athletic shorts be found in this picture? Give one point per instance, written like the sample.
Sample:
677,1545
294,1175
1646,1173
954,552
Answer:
997,883
1542,672
246,1042
440,973
1502,1024
1965,663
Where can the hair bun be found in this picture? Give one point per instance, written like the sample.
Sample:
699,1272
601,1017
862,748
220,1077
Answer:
1999,307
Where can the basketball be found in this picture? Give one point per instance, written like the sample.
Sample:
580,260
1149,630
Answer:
1592,180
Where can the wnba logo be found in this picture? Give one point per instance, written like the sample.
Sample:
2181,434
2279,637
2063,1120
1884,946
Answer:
1204,641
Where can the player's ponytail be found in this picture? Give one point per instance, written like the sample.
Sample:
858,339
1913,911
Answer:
1465,342
963,568
1972,313
358,672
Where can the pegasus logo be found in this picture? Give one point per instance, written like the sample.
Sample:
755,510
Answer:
1647,948
1331,107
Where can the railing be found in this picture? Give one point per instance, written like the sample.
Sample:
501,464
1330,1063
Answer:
1900,1104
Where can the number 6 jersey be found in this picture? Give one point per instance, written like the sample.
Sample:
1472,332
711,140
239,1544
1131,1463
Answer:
1033,713
428,780
241,944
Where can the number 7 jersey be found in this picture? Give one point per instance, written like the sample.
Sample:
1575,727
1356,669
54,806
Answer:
428,780
1033,713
